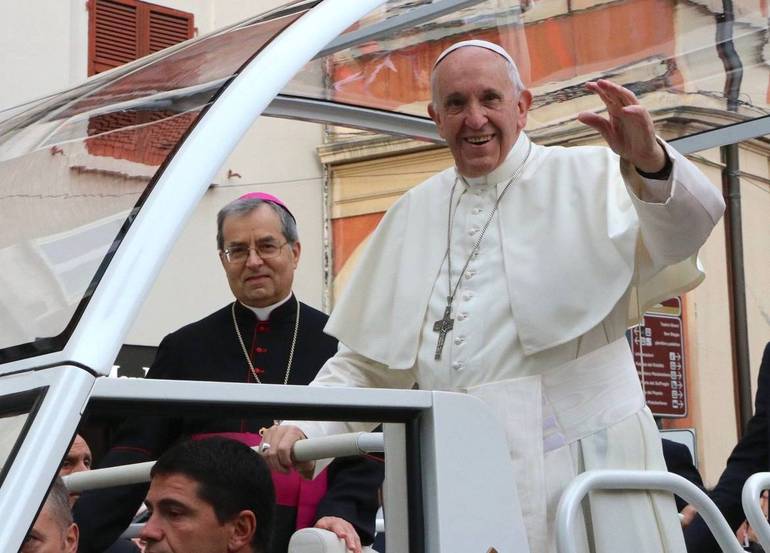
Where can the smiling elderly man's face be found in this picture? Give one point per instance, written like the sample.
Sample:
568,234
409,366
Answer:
477,109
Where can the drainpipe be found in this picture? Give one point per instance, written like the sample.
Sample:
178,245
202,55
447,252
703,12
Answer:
733,230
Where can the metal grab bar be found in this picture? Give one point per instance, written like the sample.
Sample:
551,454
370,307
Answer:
572,497
752,508
96,479
340,445
134,530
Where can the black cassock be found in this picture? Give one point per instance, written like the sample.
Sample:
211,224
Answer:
209,350
751,454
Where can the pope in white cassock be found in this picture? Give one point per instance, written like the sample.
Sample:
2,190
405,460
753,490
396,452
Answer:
514,275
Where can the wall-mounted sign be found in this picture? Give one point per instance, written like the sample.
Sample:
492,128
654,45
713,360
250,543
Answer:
658,347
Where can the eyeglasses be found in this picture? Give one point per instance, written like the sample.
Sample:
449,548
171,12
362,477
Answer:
239,254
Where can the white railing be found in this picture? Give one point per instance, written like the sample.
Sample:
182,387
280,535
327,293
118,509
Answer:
569,504
752,508
340,445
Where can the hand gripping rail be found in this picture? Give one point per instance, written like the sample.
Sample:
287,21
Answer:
640,480
752,489
340,445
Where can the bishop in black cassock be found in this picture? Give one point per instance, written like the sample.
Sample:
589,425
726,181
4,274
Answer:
209,350
252,240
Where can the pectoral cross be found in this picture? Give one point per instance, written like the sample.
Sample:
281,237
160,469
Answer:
443,326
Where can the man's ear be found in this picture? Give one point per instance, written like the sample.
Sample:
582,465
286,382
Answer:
244,525
436,116
523,103
432,113
71,538
296,249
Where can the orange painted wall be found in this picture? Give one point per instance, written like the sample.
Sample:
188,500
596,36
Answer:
348,233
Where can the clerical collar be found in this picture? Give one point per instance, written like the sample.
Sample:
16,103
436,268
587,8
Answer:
513,161
263,313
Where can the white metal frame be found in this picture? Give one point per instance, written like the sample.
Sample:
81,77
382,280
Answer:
723,136
451,427
306,109
48,438
436,421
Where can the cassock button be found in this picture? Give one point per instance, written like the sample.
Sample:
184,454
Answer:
459,340
469,275
462,316
467,295
457,366
476,210
473,231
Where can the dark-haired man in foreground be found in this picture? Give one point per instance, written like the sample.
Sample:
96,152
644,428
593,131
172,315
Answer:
209,496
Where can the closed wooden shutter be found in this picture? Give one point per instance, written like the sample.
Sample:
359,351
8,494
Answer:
124,30
167,27
115,31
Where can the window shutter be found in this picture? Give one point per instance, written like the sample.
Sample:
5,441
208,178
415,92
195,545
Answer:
115,34
124,30
167,27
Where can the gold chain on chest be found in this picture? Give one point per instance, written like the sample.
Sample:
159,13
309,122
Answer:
246,353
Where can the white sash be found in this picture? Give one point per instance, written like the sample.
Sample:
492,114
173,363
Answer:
545,412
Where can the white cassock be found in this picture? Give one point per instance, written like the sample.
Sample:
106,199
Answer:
541,312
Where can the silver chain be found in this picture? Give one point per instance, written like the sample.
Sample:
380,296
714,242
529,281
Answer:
474,249
246,353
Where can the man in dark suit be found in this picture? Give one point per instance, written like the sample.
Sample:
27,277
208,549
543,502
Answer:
679,461
751,454
265,336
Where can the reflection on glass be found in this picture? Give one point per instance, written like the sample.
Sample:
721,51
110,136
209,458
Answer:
693,62
10,429
75,169
15,417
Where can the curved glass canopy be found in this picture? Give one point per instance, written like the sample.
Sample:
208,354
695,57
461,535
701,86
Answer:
76,168
702,63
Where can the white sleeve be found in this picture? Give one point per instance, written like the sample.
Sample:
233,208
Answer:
681,212
350,369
